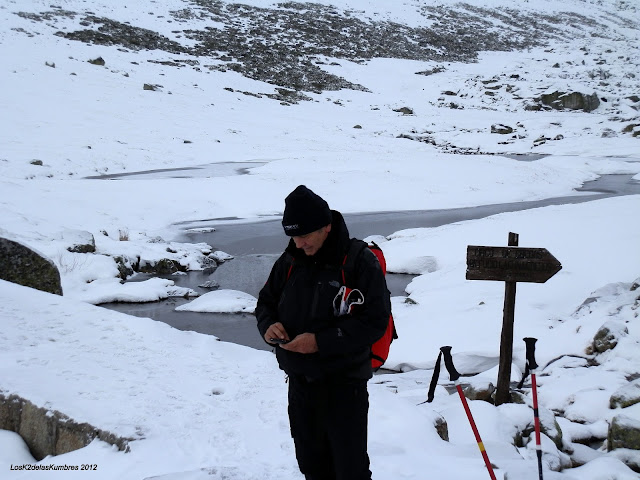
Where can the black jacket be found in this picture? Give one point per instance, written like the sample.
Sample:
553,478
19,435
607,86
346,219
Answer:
299,293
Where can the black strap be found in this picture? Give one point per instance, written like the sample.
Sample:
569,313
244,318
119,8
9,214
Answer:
448,363
434,379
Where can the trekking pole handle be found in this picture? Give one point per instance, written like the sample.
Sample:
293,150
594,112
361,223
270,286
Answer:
531,352
448,362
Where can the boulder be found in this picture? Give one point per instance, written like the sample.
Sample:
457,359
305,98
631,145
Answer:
79,241
626,396
501,129
570,101
404,110
607,337
624,432
24,266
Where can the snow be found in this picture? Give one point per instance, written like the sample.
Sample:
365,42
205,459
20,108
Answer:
224,301
197,408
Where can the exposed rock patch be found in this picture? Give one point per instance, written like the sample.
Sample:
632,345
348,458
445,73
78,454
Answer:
287,46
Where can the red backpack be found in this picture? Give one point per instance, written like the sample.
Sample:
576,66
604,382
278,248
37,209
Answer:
380,349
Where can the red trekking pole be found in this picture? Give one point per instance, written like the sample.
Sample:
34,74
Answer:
531,366
454,376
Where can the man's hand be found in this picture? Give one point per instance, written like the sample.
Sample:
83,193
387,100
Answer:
276,331
303,343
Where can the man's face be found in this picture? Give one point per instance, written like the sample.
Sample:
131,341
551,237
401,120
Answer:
311,242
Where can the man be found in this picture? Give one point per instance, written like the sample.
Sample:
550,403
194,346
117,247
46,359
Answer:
325,355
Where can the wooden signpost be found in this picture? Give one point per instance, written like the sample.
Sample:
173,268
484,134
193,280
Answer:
509,264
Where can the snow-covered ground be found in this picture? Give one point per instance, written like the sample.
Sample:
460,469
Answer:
217,410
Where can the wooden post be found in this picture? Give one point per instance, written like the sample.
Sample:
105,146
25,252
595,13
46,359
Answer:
503,394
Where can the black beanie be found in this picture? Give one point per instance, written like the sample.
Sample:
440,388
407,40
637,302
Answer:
304,212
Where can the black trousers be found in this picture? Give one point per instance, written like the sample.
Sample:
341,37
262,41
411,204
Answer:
328,421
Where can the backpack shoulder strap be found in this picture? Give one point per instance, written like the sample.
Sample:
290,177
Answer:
356,247
289,264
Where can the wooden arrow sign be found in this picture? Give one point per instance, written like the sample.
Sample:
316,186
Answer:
511,264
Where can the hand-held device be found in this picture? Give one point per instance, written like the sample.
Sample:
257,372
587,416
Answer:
278,340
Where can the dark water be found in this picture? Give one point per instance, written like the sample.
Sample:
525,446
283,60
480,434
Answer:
256,245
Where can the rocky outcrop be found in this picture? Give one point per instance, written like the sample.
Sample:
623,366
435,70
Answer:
49,432
24,266
570,101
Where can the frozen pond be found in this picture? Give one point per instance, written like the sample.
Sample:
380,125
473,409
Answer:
256,245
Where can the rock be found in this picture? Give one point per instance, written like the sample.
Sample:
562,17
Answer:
631,458
501,129
80,241
24,266
49,432
548,426
607,336
404,110
633,129
125,267
165,266
210,284
220,256
571,101
626,396
442,428
624,432
97,61
480,392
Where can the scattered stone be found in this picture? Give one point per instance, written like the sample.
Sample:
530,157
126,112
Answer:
36,162
52,64
404,110
153,88
97,61
24,266
626,396
501,129
358,127
210,284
